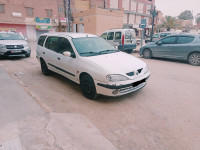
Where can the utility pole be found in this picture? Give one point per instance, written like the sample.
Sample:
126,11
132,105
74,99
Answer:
68,16
65,10
153,13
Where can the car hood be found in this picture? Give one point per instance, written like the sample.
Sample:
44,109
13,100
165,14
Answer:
13,42
117,63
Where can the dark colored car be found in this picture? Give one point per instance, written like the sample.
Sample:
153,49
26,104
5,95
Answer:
182,47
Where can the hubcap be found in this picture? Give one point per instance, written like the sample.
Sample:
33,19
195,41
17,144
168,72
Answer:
146,53
195,58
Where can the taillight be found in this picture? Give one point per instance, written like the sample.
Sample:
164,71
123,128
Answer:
123,40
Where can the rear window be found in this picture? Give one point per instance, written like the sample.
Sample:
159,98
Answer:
185,39
129,34
41,40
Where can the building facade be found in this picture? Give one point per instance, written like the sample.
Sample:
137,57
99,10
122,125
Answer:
29,17
34,17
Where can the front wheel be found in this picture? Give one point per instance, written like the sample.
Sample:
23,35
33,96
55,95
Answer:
88,87
147,54
194,59
44,68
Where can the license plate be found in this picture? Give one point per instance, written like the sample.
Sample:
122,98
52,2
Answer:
16,51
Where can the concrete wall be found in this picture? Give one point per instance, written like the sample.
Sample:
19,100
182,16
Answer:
97,20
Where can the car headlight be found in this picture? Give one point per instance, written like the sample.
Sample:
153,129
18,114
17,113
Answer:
146,69
2,46
26,46
116,77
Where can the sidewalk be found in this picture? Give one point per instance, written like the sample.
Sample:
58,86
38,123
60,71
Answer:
24,125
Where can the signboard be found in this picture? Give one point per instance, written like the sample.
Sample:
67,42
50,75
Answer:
44,28
143,23
42,20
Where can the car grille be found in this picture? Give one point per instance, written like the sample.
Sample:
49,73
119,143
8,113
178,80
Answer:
14,46
133,73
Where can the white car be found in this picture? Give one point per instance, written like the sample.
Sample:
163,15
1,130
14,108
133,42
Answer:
13,44
92,62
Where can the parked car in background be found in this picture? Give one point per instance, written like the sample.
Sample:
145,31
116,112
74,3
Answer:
122,39
91,62
12,44
181,46
158,36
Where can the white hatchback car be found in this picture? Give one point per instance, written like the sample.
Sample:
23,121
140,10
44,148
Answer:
92,62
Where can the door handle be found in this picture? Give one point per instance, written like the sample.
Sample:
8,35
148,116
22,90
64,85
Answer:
58,58
43,52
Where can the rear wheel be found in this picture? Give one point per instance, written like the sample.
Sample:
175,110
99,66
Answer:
194,59
147,54
88,87
44,68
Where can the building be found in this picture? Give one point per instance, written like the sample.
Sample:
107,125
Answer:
29,17
34,17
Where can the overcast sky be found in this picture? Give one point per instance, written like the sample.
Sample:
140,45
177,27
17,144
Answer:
175,7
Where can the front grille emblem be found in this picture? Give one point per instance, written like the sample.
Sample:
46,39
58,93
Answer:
15,46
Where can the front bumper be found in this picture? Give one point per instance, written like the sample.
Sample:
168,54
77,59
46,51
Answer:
14,53
122,88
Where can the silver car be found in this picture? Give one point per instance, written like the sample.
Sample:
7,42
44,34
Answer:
12,44
182,47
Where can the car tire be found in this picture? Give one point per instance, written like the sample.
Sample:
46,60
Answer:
28,55
44,68
194,59
88,87
147,53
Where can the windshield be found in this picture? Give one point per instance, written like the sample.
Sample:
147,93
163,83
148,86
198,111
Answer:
10,36
91,46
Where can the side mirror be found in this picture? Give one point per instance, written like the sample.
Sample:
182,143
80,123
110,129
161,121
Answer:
159,43
67,53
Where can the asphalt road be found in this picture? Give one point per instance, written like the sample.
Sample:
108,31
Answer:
164,115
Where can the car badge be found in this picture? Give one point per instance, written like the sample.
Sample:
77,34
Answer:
15,46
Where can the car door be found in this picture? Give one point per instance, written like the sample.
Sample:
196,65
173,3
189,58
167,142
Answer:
50,52
67,66
117,38
110,37
182,47
164,47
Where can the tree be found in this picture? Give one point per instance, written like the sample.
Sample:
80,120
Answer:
170,23
186,15
198,18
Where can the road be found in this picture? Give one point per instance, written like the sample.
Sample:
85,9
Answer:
164,115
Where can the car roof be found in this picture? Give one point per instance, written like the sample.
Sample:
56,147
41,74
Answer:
118,30
70,34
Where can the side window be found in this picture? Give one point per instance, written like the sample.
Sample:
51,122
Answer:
168,40
155,36
110,36
41,40
64,45
185,39
52,43
118,35
162,35
104,36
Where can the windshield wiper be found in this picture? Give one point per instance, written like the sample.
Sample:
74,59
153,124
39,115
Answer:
108,51
90,53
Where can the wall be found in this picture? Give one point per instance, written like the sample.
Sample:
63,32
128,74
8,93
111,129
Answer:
98,20
17,28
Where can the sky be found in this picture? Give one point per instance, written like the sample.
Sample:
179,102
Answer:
175,7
